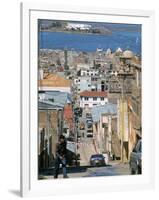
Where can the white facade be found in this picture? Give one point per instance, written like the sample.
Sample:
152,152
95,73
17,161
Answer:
89,102
83,66
78,26
89,72
83,83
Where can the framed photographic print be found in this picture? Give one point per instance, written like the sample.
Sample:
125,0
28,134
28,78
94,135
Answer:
86,94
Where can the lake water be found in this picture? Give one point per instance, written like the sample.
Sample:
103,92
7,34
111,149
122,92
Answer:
90,42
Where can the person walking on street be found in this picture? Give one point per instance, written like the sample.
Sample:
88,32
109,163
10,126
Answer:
61,157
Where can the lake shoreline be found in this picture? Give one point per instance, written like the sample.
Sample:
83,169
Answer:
75,32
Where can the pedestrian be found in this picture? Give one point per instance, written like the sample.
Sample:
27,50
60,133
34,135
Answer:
61,157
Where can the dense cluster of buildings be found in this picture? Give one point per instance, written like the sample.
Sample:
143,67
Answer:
104,83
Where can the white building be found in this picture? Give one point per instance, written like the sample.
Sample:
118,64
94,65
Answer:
83,66
89,99
103,126
83,83
78,26
89,72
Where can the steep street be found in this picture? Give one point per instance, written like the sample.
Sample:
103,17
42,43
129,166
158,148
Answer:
114,169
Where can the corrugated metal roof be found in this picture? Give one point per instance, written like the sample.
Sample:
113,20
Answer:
58,97
47,105
108,108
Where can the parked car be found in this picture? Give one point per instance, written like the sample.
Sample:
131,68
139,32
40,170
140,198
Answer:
78,112
97,160
88,121
89,135
136,158
89,125
89,132
88,115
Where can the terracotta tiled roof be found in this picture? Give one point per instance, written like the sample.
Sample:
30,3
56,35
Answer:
93,94
53,80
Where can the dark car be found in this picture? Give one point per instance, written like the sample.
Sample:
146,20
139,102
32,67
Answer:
89,126
88,115
97,160
89,120
89,132
78,112
136,159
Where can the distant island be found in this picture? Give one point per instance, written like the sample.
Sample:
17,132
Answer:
58,26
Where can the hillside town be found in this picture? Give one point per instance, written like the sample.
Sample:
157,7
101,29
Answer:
94,100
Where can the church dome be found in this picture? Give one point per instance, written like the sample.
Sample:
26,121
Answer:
128,54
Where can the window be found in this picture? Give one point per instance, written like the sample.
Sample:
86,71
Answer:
102,98
102,87
86,98
94,98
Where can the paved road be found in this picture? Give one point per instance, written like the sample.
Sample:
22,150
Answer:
86,146
115,169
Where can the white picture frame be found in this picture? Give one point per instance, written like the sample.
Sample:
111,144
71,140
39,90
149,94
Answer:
30,185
